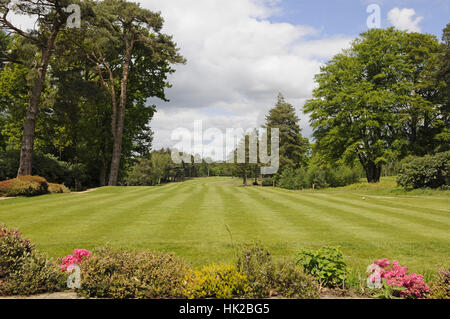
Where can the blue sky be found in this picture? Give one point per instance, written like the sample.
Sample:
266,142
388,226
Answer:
349,16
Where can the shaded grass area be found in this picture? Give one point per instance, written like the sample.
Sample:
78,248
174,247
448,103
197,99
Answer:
190,219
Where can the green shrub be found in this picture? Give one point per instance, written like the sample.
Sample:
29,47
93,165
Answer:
58,188
24,186
23,270
291,179
13,250
121,274
255,262
316,176
341,176
217,281
268,181
268,279
425,172
440,287
326,264
37,274
292,282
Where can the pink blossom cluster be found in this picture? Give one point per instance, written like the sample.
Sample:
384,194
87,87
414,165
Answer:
77,257
396,275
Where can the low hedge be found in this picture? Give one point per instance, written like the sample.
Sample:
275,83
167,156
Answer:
267,278
24,270
24,186
216,281
58,188
30,186
120,274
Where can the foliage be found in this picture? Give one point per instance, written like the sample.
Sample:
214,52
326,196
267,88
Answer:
389,291
267,181
292,282
24,186
394,274
291,179
293,146
379,100
428,171
58,188
47,166
216,281
255,262
23,270
326,264
120,274
319,176
267,278
440,287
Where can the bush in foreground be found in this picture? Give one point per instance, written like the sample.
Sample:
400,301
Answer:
394,275
119,274
217,281
267,278
440,287
23,270
326,264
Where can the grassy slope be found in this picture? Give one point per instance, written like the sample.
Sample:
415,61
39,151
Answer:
189,218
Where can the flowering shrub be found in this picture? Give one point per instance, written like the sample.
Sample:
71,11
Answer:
396,275
24,270
121,274
77,257
216,281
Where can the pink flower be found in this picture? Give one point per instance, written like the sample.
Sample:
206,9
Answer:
77,257
396,275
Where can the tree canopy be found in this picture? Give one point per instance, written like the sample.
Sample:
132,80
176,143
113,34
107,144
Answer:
379,100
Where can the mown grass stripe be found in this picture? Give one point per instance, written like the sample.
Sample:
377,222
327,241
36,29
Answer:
410,215
385,225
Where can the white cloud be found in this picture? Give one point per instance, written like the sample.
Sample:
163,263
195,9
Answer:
237,62
403,19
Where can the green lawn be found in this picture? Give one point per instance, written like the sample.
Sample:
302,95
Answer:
189,218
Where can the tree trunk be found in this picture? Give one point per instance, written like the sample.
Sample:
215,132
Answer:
29,127
102,177
373,172
245,176
117,149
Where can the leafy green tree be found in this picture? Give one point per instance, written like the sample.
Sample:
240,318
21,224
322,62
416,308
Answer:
377,101
127,47
443,75
51,18
293,146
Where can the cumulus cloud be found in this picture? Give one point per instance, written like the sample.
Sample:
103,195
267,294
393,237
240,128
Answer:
403,19
237,62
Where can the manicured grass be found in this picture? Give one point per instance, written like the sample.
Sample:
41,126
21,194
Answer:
190,218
